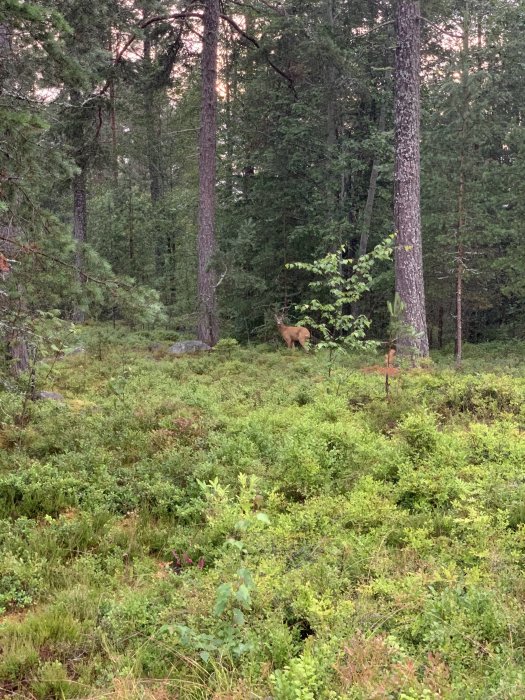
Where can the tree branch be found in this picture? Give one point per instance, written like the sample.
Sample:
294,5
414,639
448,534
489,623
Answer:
277,9
146,23
253,41
443,31
374,29
196,15
221,278
35,251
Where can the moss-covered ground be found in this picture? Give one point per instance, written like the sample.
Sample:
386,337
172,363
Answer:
239,526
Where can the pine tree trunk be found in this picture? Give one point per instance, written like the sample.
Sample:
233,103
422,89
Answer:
79,232
230,97
113,121
408,254
440,327
155,167
331,107
156,178
15,335
18,350
6,36
372,187
460,249
208,324
335,188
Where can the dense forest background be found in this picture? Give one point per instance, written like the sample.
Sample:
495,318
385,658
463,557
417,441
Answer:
99,157
254,523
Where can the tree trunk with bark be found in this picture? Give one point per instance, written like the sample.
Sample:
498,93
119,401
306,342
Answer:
151,118
460,249
208,324
78,140
16,340
6,36
15,309
113,119
79,188
408,253
14,333
372,188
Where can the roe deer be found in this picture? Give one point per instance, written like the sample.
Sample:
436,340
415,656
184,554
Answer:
293,334
390,357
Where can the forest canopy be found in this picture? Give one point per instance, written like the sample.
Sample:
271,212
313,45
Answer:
106,126
192,507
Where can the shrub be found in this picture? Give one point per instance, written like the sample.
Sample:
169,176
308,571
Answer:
486,397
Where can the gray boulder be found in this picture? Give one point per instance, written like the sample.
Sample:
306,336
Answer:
188,346
53,395
76,351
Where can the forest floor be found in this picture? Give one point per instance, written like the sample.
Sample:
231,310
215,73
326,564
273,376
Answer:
240,526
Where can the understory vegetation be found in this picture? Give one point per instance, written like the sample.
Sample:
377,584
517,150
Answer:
238,525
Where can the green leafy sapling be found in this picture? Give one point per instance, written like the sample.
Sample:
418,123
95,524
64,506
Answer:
338,285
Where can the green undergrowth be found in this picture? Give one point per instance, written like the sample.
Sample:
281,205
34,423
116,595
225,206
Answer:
238,525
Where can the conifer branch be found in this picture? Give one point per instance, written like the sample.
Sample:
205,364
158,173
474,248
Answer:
32,250
439,29
182,16
249,38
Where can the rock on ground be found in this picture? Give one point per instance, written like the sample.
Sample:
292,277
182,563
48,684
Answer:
53,395
188,346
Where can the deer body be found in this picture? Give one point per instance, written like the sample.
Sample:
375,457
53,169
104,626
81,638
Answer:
293,334
390,357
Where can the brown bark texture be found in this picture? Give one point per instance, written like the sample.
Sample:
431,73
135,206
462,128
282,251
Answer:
407,215
460,250
152,128
13,324
372,187
79,231
5,52
208,323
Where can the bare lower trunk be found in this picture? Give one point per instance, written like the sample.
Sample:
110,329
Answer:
440,327
334,190
18,352
15,308
460,251
208,325
153,146
408,254
155,167
79,233
372,187
156,178
14,335
131,231
6,36
113,121
459,306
